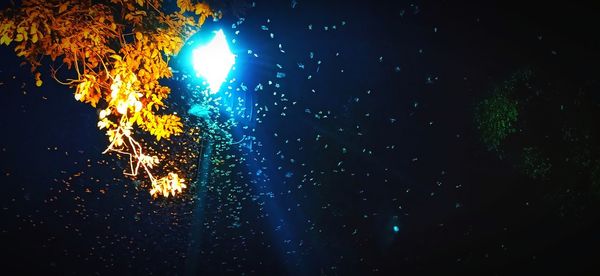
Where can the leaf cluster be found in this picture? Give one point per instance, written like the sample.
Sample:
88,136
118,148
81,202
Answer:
118,51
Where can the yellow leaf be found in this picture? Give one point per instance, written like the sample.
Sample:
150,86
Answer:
33,28
201,8
5,40
138,36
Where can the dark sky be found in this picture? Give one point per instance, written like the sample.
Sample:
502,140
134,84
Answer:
370,131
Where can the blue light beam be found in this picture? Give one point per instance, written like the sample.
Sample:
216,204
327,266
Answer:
213,61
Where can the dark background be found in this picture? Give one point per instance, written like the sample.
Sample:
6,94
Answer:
407,154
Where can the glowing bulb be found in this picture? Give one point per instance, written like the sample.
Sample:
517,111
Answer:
213,61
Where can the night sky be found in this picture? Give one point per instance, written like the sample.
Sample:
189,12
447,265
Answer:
363,157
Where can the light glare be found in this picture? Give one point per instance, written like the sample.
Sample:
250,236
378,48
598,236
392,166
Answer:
213,61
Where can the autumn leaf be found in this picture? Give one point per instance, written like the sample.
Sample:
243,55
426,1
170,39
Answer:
5,40
38,80
63,7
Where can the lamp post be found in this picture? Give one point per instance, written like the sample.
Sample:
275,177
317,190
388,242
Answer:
212,62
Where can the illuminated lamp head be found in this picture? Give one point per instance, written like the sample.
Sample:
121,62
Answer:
213,61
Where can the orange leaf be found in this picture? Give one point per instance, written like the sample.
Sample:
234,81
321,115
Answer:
63,7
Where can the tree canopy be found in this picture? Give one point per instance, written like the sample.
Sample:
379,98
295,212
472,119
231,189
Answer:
117,52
